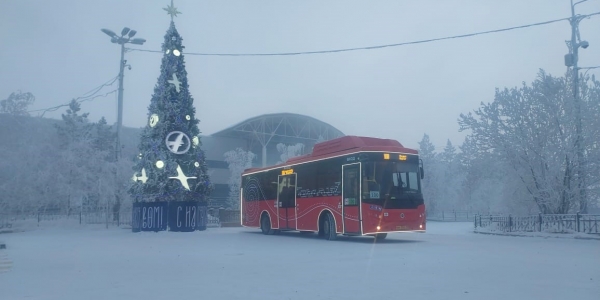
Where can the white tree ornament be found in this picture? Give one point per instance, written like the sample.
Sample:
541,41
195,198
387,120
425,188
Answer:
175,81
160,164
175,140
153,120
182,178
143,178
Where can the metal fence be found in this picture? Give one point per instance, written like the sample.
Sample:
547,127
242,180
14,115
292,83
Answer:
454,216
217,217
43,218
555,223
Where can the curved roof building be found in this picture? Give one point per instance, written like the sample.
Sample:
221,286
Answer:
261,135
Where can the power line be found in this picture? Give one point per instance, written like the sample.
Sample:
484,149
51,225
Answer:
88,96
371,47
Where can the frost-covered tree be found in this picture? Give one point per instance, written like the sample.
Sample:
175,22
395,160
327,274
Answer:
17,103
590,111
171,165
532,129
75,126
288,151
450,178
430,185
427,149
488,185
66,167
29,178
103,138
473,167
238,160
74,133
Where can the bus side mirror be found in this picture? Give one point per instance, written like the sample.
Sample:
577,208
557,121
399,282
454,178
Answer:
422,173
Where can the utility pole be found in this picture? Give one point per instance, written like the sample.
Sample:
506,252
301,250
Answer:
571,60
126,37
120,103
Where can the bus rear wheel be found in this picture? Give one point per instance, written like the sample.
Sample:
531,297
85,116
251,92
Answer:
265,225
329,227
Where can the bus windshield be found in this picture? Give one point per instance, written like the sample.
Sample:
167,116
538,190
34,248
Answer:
390,180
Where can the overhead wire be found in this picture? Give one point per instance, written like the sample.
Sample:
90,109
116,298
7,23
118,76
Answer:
88,96
371,47
94,91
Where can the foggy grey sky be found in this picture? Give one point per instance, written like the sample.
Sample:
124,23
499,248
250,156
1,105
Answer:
55,50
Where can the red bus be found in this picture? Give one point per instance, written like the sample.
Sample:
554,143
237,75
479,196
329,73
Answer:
350,185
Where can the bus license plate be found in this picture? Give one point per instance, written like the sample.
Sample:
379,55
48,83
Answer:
401,227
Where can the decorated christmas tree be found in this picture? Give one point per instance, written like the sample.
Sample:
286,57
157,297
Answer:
171,164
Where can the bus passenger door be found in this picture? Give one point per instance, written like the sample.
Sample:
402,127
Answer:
286,199
351,198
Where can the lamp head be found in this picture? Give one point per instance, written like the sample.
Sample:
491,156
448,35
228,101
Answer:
138,41
108,32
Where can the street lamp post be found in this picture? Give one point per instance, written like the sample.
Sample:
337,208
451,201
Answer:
571,60
125,38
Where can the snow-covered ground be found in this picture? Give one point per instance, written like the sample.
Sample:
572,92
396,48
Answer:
447,262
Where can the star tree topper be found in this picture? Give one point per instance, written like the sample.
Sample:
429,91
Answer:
172,10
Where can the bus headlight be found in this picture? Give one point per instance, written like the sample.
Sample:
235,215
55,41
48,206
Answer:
378,228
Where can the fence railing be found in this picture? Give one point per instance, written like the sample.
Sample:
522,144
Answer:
121,218
555,223
217,217
454,215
